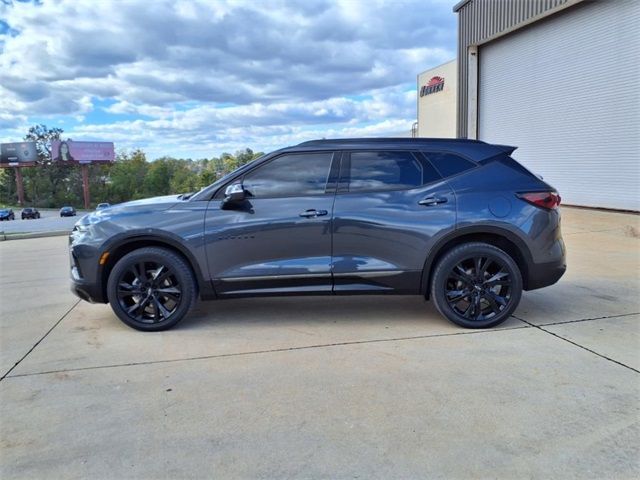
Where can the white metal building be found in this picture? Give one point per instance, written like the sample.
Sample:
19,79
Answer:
561,80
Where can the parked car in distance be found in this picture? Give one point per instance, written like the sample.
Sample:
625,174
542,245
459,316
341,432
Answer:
7,214
102,206
30,213
67,211
457,221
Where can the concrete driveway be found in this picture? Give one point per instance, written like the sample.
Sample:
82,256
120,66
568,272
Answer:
359,387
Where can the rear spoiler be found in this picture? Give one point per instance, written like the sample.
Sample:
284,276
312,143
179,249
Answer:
508,149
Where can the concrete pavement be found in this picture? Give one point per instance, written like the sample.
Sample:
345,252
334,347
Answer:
359,387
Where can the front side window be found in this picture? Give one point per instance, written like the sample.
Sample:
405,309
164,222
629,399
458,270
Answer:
384,170
295,175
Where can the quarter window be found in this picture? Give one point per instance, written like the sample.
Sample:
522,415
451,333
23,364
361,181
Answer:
449,164
296,175
376,171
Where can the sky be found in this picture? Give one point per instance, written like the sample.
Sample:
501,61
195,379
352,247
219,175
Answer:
193,79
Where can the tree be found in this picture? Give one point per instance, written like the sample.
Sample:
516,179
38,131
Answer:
130,177
48,184
127,177
43,137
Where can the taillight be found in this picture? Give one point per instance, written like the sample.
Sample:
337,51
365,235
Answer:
547,200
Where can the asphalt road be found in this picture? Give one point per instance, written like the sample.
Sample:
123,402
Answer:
49,221
322,387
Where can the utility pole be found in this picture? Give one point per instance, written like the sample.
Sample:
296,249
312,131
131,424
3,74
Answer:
19,185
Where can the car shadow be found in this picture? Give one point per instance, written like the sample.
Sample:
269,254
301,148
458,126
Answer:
370,309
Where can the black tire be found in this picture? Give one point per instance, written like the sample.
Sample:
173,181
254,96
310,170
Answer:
159,281
476,285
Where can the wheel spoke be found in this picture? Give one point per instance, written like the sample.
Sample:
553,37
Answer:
174,290
454,296
496,283
477,309
156,309
138,273
126,293
497,298
125,286
163,310
498,276
163,276
158,272
134,307
143,271
170,296
492,303
461,271
484,267
477,262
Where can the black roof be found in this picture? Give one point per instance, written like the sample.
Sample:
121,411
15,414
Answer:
474,149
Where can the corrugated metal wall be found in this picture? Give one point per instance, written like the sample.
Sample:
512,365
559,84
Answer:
479,20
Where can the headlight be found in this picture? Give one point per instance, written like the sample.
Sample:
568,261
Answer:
81,228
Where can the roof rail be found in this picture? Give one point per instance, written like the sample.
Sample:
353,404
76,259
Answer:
398,140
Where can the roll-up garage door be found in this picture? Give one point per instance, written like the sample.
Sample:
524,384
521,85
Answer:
566,91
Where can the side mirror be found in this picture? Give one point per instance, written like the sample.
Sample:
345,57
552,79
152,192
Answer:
234,194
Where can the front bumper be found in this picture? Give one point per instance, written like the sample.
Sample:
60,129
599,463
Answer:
86,273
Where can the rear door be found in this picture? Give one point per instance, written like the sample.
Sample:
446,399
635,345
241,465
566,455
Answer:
280,240
388,207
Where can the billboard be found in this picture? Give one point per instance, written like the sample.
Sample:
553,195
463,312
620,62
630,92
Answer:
68,151
20,154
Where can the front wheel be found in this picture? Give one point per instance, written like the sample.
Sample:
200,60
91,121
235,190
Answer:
151,289
476,285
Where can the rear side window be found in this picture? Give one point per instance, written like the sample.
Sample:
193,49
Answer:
449,164
379,171
295,175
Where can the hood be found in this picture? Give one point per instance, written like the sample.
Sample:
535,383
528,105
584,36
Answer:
166,200
134,207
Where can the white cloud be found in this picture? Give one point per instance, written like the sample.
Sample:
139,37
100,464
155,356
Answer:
289,70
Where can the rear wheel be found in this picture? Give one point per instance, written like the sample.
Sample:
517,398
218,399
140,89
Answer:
476,285
151,289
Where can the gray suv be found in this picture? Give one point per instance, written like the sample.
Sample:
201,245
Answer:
457,221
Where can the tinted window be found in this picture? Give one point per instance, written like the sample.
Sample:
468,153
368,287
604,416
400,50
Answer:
290,176
449,164
371,171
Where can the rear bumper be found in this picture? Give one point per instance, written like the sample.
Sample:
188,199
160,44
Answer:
545,274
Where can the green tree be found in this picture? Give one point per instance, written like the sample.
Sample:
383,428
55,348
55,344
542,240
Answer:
158,178
127,176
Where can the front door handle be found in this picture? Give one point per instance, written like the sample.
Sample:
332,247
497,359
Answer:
313,213
431,201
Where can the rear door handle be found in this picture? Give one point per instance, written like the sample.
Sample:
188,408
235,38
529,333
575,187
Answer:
313,213
431,201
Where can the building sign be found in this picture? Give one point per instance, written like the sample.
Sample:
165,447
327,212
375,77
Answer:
21,154
436,84
68,151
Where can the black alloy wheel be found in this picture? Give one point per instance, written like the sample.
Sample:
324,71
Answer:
151,289
477,285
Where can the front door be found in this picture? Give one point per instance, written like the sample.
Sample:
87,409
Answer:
279,240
